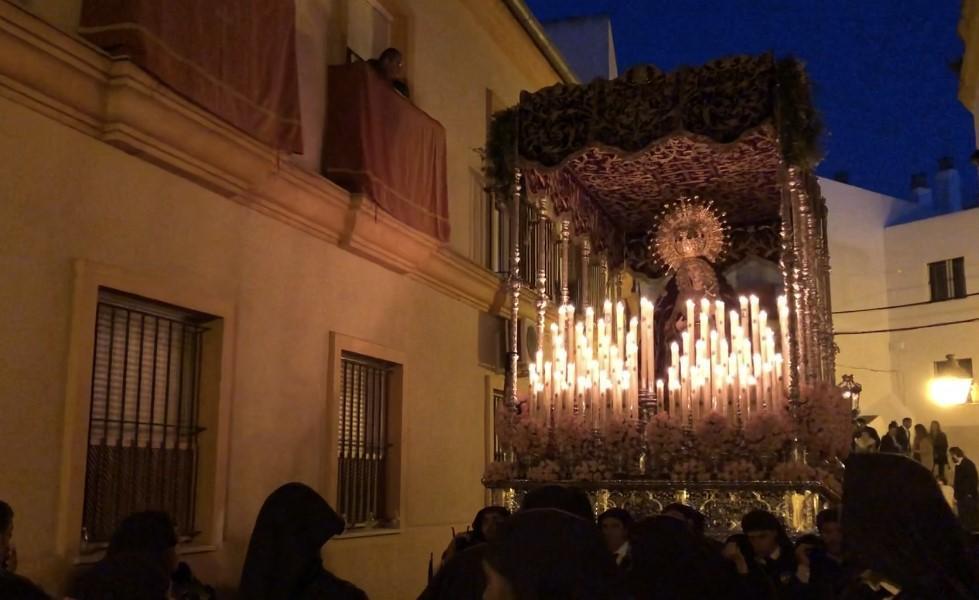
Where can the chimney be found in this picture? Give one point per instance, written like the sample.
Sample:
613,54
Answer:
948,186
920,192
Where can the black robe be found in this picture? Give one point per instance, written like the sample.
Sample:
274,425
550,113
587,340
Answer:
966,484
283,560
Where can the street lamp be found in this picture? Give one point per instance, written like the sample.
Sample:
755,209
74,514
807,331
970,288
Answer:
851,391
952,383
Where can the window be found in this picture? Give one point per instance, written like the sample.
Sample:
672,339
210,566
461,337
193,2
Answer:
498,399
362,479
143,450
369,28
946,279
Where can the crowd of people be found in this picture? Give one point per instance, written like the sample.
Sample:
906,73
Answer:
928,446
894,536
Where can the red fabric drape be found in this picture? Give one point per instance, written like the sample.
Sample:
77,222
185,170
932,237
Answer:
236,59
380,144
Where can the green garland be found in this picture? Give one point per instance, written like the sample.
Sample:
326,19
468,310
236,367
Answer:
500,154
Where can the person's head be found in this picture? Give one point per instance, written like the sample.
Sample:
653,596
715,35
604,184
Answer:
6,529
151,533
487,523
763,531
568,499
670,561
691,516
956,453
920,431
284,551
917,538
892,427
830,530
547,554
866,440
392,64
935,427
906,422
615,524
861,422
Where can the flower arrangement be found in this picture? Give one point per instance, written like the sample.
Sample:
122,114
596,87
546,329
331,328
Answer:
824,421
766,433
715,437
547,470
499,471
739,470
689,469
793,471
623,445
716,448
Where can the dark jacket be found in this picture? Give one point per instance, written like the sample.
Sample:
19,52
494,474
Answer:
966,481
888,443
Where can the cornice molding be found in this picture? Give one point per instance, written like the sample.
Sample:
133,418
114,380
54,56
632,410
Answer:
114,101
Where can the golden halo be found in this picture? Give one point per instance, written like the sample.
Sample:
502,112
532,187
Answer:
688,228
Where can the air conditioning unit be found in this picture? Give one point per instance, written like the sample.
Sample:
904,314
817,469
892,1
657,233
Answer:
528,343
494,342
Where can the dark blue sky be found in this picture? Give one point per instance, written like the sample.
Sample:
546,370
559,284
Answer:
879,68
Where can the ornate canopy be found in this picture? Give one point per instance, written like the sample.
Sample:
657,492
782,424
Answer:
613,153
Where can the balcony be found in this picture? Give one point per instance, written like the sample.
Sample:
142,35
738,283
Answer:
381,145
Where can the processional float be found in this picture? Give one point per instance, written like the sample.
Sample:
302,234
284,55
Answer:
688,353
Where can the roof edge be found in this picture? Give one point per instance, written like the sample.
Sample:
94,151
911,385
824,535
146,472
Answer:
530,24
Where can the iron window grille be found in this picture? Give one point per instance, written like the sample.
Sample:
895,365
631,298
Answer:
363,440
946,279
143,438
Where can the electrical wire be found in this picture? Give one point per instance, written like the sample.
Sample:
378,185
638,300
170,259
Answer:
929,326
860,310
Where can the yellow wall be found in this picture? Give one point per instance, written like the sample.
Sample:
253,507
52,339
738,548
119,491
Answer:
910,248
858,274
68,197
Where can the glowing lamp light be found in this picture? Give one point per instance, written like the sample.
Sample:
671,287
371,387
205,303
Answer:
952,387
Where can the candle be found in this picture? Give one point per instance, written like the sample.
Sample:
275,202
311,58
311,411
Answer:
590,325
745,321
755,331
690,322
763,332
675,356
719,318
660,396
620,327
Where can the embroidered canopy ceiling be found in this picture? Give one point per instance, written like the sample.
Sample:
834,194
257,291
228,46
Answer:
612,153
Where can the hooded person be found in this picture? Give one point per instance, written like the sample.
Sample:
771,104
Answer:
138,563
672,562
462,576
283,560
547,554
897,525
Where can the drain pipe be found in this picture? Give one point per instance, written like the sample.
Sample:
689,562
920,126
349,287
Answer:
533,28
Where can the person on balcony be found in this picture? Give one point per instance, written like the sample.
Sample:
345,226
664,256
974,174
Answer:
390,66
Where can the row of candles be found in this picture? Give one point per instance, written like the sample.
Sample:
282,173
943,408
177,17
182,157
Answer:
724,362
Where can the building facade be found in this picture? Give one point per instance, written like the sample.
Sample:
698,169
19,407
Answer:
892,325
279,284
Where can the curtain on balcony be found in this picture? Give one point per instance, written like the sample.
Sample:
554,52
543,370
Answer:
380,144
236,59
